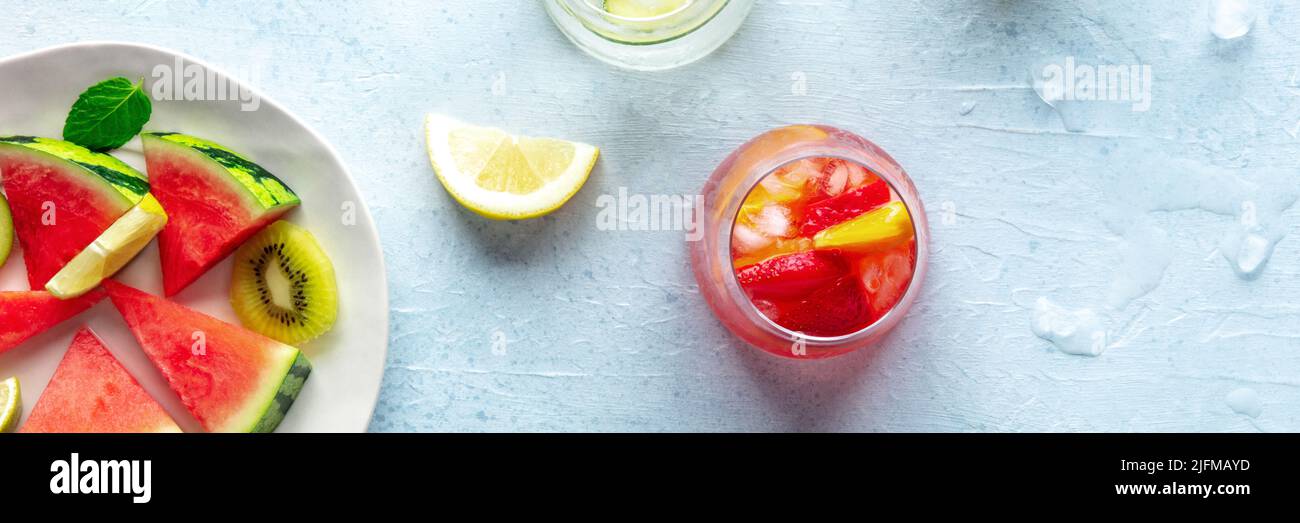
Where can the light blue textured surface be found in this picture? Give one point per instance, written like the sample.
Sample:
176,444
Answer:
605,331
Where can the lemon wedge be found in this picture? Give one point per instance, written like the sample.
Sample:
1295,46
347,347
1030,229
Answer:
6,230
11,404
503,176
111,251
881,228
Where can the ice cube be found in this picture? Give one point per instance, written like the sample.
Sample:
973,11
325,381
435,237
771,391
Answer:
1253,251
1248,244
783,188
1231,19
746,240
774,220
796,173
1073,331
858,175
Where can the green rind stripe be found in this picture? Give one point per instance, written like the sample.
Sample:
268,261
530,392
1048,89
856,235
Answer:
284,397
131,183
132,188
265,187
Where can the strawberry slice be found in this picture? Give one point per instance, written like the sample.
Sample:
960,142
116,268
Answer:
835,310
782,246
834,177
832,211
792,275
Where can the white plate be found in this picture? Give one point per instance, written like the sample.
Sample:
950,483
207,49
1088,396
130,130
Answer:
348,362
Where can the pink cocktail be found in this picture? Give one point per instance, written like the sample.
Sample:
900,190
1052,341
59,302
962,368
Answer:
813,242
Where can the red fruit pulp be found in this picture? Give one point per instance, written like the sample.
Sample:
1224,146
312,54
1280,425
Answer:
831,211
92,392
28,313
54,218
792,275
216,382
823,292
834,310
207,220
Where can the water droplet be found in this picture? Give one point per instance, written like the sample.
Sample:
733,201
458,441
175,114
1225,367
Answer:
1246,402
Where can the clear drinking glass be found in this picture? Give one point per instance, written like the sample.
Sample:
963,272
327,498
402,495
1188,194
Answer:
676,32
729,188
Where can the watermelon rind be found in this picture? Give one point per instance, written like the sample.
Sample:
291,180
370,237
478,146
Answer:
264,188
129,183
281,381
273,413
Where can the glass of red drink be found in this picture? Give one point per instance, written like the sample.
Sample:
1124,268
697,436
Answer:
813,242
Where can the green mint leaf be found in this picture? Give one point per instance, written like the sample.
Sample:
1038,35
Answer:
108,114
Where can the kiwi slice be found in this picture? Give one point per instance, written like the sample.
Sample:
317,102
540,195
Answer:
284,285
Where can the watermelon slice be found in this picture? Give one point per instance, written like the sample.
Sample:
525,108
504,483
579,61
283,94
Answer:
230,378
92,392
62,196
215,200
28,313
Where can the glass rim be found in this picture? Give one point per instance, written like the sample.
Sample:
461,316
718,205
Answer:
750,311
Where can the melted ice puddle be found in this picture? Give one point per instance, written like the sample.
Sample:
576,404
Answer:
1144,256
1245,401
1257,203
1072,331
